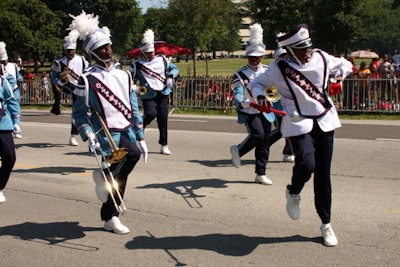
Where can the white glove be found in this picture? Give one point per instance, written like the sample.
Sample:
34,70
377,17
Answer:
17,129
262,102
144,149
92,140
169,82
245,103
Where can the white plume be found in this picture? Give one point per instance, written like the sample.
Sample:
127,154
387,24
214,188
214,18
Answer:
85,24
106,31
3,48
148,37
72,36
256,34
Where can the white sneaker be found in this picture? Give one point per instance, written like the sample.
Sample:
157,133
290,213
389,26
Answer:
2,197
115,225
329,236
235,156
101,188
18,135
165,150
262,179
72,141
292,205
288,158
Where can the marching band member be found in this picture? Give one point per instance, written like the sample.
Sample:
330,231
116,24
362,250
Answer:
110,93
258,124
156,74
7,148
312,118
65,73
13,69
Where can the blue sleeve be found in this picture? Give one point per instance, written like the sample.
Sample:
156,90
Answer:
172,70
11,103
80,116
238,91
11,80
138,126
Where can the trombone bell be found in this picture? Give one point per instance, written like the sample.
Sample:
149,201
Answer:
141,89
117,155
272,94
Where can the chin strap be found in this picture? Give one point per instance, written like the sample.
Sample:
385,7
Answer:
293,56
105,62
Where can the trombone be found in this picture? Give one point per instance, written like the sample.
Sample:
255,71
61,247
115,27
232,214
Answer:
117,155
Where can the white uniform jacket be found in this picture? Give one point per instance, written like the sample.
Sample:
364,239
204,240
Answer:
296,99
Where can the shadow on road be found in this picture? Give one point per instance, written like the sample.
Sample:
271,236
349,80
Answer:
56,233
226,244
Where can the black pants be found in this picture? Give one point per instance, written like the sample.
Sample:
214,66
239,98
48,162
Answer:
314,154
55,109
259,129
157,107
74,131
108,209
8,157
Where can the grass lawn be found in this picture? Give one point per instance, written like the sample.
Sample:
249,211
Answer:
215,67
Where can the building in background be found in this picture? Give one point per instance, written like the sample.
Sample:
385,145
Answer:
244,31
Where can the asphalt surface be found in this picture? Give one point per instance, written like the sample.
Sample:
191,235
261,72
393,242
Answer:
193,208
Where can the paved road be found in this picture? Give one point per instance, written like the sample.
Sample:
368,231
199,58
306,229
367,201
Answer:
194,208
355,129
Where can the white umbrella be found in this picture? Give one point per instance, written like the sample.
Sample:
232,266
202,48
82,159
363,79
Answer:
364,54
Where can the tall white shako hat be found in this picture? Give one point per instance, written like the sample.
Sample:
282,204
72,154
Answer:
298,37
147,44
70,40
255,47
87,26
3,51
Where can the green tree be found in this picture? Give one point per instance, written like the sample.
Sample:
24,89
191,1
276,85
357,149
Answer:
203,25
277,16
383,27
338,24
30,29
155,19
123,17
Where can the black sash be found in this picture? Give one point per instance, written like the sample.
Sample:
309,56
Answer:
150,72
306,85
105,92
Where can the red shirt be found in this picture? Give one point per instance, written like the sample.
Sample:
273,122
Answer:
30,76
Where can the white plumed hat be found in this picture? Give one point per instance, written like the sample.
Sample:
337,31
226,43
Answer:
3,51
147,41
255,46
298,37
87,25
70,40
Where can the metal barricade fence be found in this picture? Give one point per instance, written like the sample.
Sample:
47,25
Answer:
375,95
202,93
33,93
358,95
216,93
